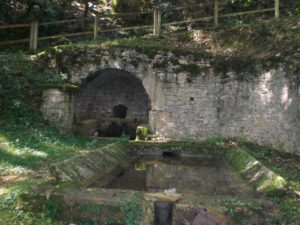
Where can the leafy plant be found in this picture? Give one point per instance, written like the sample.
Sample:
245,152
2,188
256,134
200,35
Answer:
236,210
52,208
289,213
131,211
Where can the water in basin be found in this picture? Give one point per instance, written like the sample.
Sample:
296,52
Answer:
204,175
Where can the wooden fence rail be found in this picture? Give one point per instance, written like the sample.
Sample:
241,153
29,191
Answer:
63,21
157,24
14,26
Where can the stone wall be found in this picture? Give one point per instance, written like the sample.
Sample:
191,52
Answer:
198,97
263,110
57,107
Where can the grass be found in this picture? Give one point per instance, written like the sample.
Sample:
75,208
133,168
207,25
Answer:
25,148
132,211
28,144
287,166
25,153
259,39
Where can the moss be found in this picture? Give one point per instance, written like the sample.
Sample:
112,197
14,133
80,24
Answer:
201,147
193,69
240,160
90,208
272,185
240,48
289,212
241,212
31,201
283,163
83,167
64,185
174,61
263,179
135,62
246,67
243,66
141,133
150,52
161,64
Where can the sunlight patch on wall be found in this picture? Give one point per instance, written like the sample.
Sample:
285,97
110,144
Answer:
266,94
285,100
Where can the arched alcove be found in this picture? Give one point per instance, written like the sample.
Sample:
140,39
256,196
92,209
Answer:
111,103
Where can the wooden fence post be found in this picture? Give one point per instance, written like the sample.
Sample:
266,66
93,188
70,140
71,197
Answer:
33,40
216,13
95,28
157,21
277,8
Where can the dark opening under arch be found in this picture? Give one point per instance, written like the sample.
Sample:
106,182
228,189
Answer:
111,103
119,111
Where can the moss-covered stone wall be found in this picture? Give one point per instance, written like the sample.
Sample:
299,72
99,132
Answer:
195,96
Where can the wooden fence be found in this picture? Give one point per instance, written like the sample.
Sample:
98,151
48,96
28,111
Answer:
157,24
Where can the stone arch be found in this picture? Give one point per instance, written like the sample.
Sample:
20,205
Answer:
111,103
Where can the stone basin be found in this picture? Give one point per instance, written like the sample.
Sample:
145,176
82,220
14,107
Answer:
101,186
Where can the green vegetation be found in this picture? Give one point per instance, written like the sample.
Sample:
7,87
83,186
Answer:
93,209
142,133
52,208
289,213
240,211
26,140
288,166
264,180
284,164
254,47
27,148
132,212
28,144
21,83
259,40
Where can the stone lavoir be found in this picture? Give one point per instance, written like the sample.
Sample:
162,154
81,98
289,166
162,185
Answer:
180,95
164,184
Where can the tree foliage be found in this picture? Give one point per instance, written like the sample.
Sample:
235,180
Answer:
16,11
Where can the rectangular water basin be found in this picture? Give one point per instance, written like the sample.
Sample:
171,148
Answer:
171,172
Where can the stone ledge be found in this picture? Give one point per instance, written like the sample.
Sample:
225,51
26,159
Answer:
263,179
83,167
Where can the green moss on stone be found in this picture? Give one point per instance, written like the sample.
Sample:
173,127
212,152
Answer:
193,69
263,179
142,133
162,64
